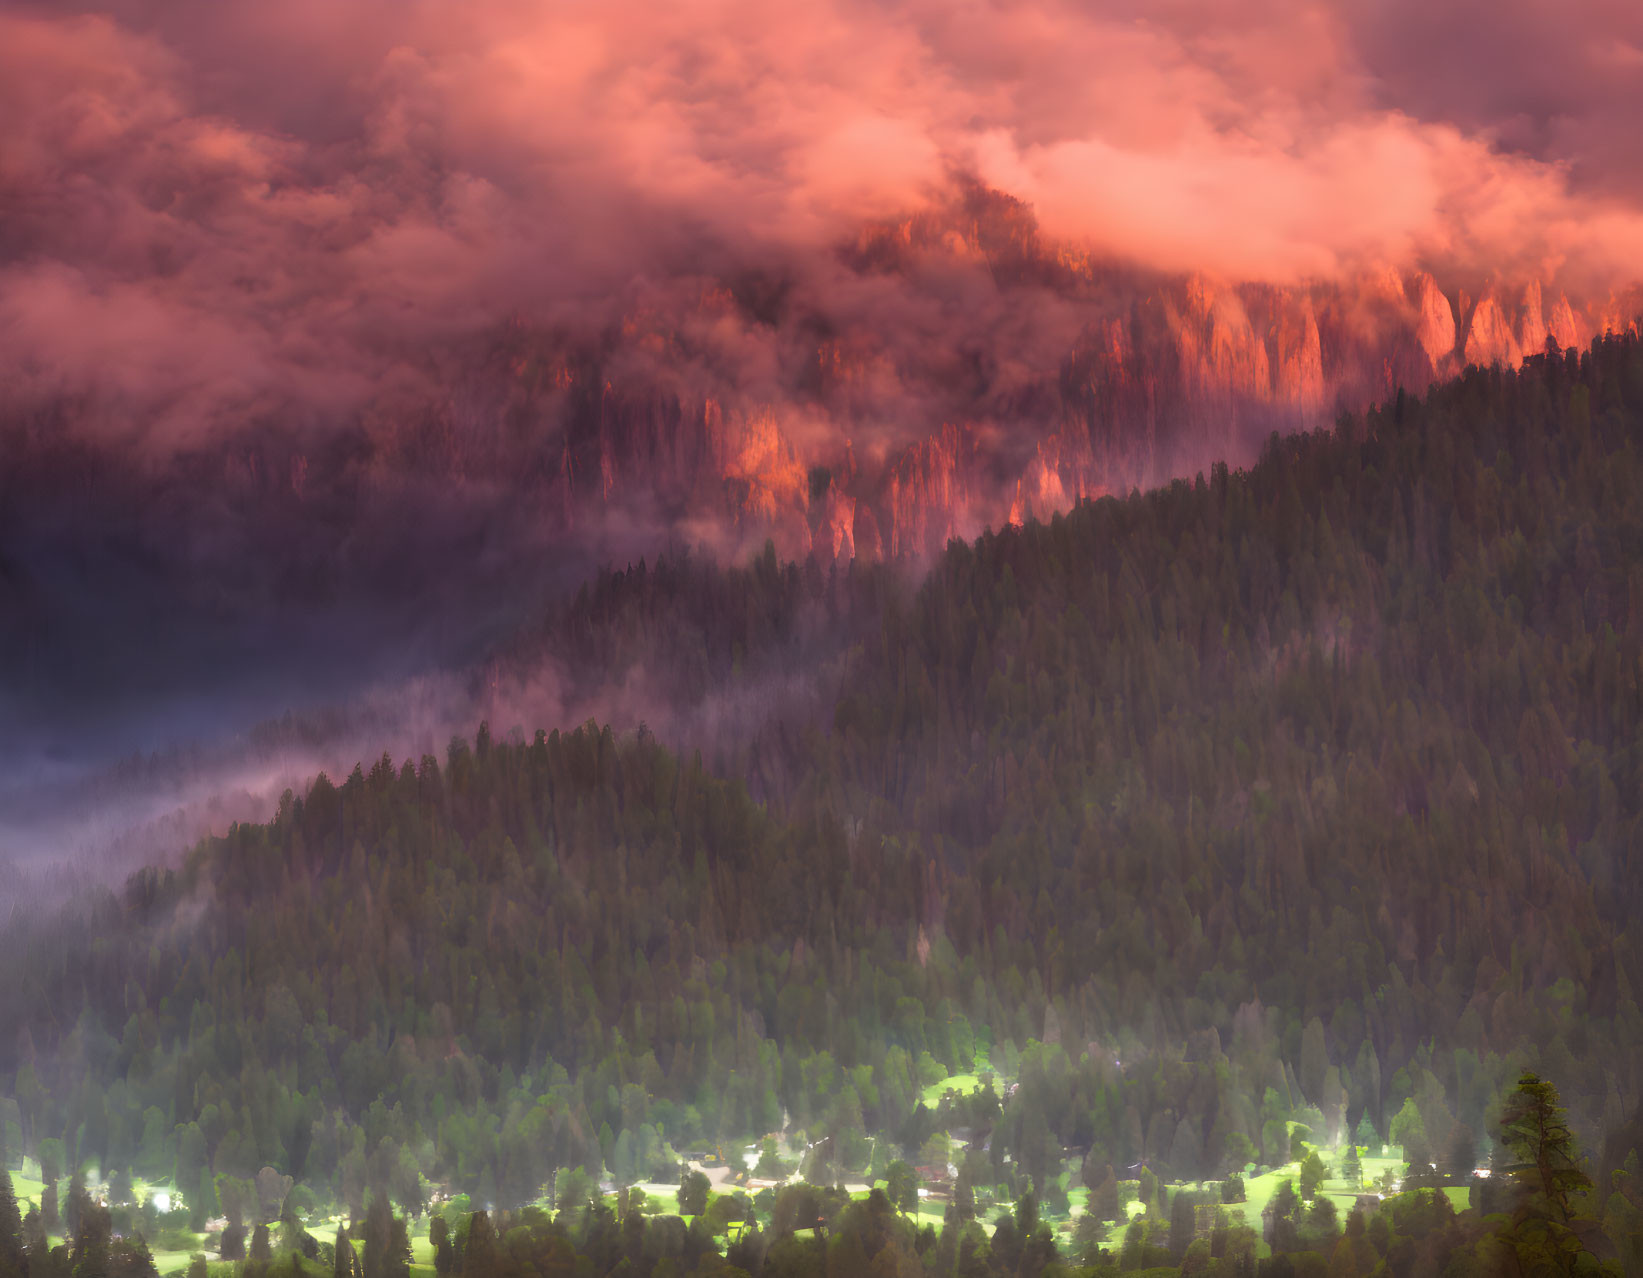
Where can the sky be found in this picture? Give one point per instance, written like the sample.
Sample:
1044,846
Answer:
237,229
217,208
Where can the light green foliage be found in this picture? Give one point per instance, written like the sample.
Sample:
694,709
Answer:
901,1186
1351,1167
693,1192
1408,1128
1312,1175
770,1165
1533,1128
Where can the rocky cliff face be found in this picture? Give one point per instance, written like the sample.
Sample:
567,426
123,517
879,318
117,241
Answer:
953,371
1434,324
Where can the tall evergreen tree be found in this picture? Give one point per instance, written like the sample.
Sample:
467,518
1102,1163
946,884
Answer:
89,1247
12,1258
439,1238
1533,1128
398,1260
1460,1155
50,1218
378,1237
479,1257
78,1204
202,1204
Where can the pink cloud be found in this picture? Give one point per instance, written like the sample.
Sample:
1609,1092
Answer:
192,233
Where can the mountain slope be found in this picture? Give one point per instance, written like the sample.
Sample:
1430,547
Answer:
1313,786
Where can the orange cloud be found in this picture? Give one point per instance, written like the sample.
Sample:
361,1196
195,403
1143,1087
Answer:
298,198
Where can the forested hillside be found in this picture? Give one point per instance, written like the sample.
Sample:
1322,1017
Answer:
1303,795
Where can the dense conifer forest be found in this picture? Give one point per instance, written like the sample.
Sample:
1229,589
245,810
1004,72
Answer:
1280,826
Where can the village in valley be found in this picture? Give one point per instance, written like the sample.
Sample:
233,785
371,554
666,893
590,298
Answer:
784,1180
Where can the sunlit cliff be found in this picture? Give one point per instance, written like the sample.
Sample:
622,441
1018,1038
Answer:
1005,377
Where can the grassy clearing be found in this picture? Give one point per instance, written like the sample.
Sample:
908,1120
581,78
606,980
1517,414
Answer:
664,1198
964,1084
930,1211
173,1262
1258,1192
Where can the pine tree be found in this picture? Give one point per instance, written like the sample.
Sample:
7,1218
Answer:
34,1235
1351,1167
439,1238
1460,1158
74,1211
693,1191
1103,1201
1312,1175
1026,1215
204,1204
120,1191
1182,1224
51,1170
1134,1240
901,1185
1533,1129
1089,1236
378,1238
1149,1191
50,1219
89,1250
11,1227
399,1248
479,1258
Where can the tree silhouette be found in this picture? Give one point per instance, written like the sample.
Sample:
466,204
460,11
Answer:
901,1186
1533,1129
